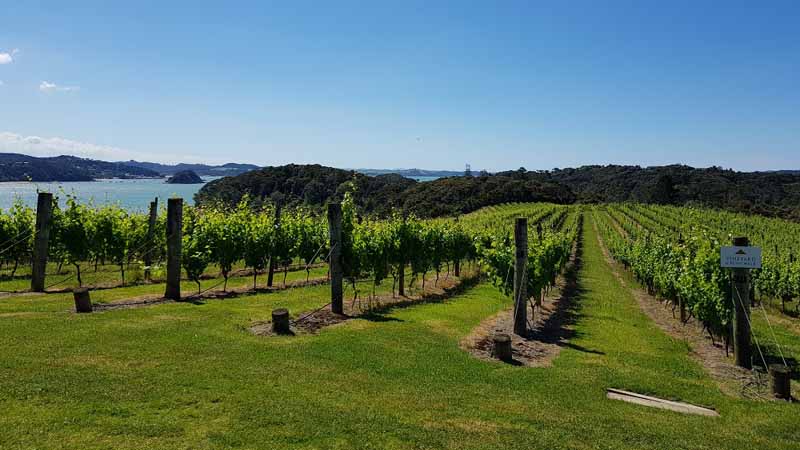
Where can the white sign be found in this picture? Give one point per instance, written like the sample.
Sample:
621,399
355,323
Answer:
741,257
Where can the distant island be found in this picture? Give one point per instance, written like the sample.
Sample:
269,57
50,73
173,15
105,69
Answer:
18,167
224,170
185,177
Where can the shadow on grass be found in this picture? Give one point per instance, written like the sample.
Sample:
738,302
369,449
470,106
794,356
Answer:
558,328
379,313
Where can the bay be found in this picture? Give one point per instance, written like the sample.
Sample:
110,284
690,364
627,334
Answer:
134,195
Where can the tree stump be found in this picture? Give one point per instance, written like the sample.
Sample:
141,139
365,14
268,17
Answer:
83,303
280,321
502,347
780,381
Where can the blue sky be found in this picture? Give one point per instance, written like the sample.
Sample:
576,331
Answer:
498,85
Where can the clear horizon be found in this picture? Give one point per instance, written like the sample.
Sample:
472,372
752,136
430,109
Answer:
405,84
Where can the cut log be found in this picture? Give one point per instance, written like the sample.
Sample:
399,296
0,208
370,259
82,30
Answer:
280,321
502,347
780,381
83,303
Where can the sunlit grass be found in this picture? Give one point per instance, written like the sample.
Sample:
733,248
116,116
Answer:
184,375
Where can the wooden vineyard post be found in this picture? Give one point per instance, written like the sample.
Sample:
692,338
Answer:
457,263
272,263
335,232
174,242
401,276
520,281
44,213
151,230
741,317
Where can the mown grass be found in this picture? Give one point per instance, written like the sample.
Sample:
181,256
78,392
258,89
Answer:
109,274
191,376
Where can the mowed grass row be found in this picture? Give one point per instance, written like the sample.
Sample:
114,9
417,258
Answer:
109,274
64,301
192,376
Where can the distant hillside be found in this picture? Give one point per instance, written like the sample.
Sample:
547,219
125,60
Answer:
305,184
224,170
457,195
315,185
16,167
766,193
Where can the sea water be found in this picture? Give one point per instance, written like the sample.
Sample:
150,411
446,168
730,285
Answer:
134,195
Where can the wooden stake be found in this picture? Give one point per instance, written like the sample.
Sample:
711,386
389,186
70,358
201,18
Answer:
44,213
741,312
520,281
401,277
335,233
174,243
151,230
272,263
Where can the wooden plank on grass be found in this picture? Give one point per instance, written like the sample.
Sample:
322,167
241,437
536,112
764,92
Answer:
653,402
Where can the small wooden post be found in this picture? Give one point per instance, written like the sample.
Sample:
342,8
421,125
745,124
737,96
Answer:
682,305
502,347
401,277
83,303
44,213
151,230
520,281
174,243
780,381
335,233
272,262
280,321
741,317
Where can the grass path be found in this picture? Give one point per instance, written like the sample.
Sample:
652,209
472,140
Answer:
179,376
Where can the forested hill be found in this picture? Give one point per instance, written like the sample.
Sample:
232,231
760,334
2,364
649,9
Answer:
314,185
16,167
766,193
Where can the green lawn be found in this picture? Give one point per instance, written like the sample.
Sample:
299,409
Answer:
109,274
191,376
